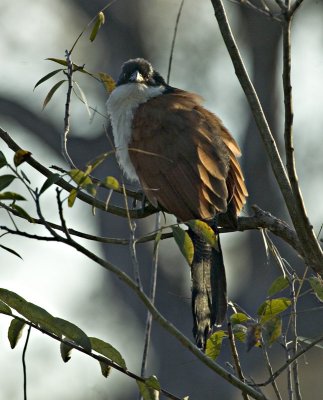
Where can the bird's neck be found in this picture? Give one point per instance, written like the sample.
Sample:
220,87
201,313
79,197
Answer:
121,106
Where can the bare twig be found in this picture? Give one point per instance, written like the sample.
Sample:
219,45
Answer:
69,74
291,360
24,362
235,357
174,39
312,251
294,342
132,242
152,295
265,10
270,370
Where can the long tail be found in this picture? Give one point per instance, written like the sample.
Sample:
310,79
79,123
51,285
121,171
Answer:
209,288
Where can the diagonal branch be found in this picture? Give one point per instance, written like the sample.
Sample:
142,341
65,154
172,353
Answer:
311,249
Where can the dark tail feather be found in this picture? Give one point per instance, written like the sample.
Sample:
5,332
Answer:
209,288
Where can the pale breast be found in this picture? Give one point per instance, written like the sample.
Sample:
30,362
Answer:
121,107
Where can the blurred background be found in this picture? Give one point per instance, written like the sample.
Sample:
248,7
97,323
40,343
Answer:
71,287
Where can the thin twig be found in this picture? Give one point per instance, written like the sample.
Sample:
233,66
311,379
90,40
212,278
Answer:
24,362
132,242
152,295
294,342
69,74
174,39
270,370
291,360
235,357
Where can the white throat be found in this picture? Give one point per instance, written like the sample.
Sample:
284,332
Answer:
121,106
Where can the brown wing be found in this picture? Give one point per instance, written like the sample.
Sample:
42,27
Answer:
185,158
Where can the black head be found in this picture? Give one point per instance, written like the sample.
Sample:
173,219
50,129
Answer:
138,70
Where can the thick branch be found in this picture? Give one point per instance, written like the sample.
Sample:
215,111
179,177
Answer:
312,251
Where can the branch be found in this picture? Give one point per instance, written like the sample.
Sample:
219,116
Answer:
155,313
69,74
290,361
97,357
311,250
119,211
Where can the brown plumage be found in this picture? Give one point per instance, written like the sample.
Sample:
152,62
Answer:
186,162
200,173
199,178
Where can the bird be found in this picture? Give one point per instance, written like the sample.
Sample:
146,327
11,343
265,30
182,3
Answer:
186,163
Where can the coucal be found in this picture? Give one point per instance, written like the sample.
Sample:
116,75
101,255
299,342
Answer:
186,162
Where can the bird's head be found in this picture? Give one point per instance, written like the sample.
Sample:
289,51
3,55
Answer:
140,71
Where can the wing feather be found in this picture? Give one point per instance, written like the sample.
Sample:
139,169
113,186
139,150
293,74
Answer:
185,158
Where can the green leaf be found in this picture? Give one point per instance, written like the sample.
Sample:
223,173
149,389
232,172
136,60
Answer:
108,351
238,318
111,183
105,369
272,330
12,299
46,77
98,23
52,91
5,181
15,331
74,333
51,180
214,343
153,382
92,189
11,196
278,285
72,197
10,250
184,242
57,60
4,309
21,156
147,392
66,351
240,332
80,177
22,213
204,231
3,160
40,317
317,285
271,308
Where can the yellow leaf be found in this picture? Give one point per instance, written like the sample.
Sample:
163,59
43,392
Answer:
184,242
21,156
107,81
111,183
72,197
204,231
